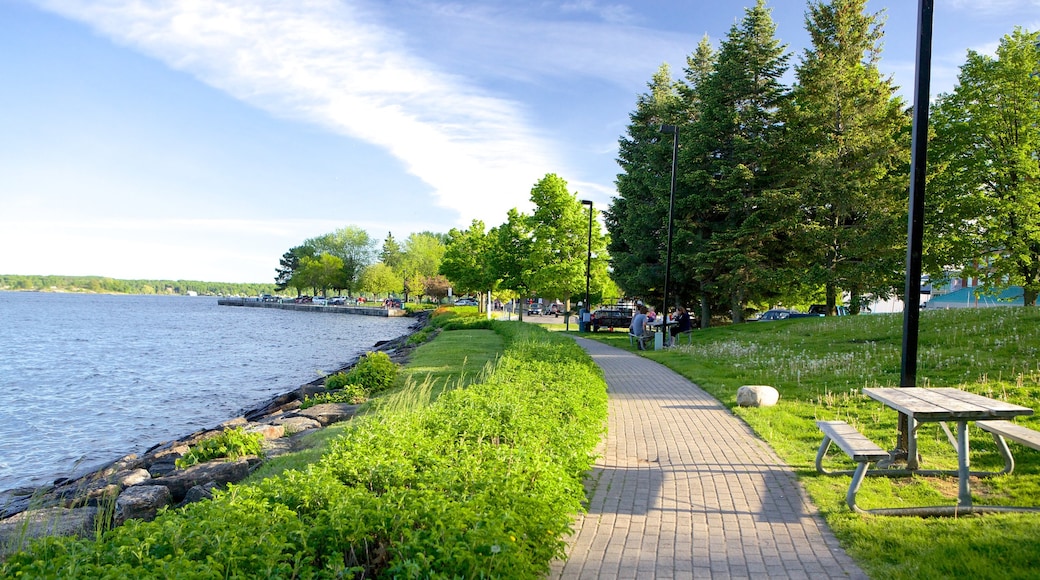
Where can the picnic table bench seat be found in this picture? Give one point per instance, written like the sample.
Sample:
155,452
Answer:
1002,430
857,446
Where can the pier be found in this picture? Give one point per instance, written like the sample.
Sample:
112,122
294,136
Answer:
363,310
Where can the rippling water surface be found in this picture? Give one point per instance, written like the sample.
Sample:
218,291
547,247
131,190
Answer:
86,379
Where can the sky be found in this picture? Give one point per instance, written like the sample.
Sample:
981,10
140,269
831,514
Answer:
201,139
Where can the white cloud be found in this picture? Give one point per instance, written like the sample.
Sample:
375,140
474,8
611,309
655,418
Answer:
333,64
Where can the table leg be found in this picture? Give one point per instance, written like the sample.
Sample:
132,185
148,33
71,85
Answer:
963,474
911,443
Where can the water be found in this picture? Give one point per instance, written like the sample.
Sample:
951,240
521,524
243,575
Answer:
86,379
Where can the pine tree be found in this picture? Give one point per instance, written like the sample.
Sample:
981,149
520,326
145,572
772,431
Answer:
847,142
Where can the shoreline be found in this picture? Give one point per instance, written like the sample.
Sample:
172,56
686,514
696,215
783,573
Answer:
65,489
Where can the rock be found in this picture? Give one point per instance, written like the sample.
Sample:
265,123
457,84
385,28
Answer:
232,423
135,477
198,493
328,413
220,472
268,431
163,467
58,521
757,396
141,502
296,424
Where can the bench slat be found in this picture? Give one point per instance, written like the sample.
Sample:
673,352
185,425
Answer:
852,442
1012,431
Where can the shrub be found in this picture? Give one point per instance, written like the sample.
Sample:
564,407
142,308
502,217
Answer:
232,443
374,371
337,381
350,393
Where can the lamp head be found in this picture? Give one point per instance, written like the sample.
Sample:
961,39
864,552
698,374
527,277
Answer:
669,129
586,202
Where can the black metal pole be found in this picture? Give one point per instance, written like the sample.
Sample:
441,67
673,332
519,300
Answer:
915,221
588,260
674,130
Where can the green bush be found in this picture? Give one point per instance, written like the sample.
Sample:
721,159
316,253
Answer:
374,371
232,443
350,393
337,381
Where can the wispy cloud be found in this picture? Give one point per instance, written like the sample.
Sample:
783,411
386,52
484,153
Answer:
996,7
334,64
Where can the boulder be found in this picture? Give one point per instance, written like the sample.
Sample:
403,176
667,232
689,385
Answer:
296,424
757,396
268,431
217,471
57,521
328,413
134,477
141,502
198,493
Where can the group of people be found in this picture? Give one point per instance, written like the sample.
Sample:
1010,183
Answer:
642,321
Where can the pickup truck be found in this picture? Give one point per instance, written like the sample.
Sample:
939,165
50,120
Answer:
611,318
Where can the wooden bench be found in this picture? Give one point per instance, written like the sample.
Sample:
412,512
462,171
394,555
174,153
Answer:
1002,430
856,445
638,340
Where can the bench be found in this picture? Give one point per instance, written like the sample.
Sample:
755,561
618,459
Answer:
856,445
638,340
1002,430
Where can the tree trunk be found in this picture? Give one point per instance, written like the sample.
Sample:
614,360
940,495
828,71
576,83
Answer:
832,298
705,311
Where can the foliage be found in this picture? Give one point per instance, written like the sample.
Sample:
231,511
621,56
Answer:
337,381
353,246
379,279
482,482
345,393
100,284
231,443
466,259
819,366
987,145
848,132
375,372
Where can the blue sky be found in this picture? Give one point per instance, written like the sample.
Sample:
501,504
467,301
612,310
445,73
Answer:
202,139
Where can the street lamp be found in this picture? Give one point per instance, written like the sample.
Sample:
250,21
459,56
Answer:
674,131
588,259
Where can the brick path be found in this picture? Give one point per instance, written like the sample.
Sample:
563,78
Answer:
684,489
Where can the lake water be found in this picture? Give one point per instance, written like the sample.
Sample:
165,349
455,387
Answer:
86,379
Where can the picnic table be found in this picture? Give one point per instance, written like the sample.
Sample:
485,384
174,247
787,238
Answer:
941,405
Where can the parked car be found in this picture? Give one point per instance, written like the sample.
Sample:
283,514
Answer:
554,309
611,318
534,308
319,301
821,310
465,302
783,314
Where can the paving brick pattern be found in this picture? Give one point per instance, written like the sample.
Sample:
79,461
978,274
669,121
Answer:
684,489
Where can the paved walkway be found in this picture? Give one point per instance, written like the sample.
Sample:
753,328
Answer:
684,489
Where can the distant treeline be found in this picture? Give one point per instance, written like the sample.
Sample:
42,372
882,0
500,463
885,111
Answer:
104,285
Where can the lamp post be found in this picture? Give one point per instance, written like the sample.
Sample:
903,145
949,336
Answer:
674,131
588,259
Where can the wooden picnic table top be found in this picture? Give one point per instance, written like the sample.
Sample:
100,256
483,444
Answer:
944,404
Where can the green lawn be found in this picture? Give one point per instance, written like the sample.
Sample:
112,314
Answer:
819,367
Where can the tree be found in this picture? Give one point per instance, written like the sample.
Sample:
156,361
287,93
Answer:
467,260
353,246
986,195
436,287
636,219
391,253
380,280
511,257
847,140
289,265
322,272
732,161
560,230
421,259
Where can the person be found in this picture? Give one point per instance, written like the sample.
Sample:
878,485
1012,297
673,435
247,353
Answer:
682,321
638,327
651,315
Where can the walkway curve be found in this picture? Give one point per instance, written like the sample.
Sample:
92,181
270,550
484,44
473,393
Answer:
684,489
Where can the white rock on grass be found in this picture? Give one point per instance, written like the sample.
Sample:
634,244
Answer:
757,396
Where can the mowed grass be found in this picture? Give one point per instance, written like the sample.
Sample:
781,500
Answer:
819,367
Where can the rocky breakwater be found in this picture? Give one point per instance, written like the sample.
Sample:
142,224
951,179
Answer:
137,487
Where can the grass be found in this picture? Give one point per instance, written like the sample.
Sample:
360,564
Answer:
819,367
